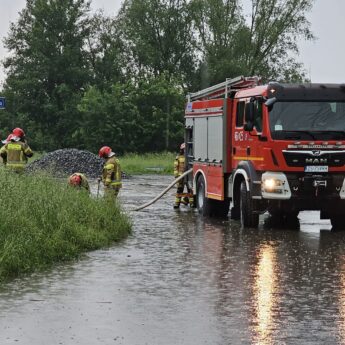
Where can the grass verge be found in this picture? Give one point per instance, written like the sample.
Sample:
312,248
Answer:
150,163
44,221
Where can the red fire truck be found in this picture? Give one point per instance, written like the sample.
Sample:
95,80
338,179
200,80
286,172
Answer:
277,147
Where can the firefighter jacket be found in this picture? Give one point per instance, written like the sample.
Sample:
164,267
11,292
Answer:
179,165
15,154
111,175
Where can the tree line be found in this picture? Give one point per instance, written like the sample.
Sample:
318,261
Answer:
81,79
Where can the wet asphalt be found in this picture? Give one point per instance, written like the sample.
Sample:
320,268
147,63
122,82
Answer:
182,279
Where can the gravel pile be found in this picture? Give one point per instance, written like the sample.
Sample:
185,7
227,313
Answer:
64,162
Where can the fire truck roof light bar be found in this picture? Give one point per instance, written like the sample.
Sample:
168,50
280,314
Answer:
222,89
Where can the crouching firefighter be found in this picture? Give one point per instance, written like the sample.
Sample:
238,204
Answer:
111,175
79,181
179,169
16,151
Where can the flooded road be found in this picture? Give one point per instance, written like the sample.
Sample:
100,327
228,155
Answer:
181,279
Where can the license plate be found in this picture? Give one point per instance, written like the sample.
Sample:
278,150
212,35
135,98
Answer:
316,168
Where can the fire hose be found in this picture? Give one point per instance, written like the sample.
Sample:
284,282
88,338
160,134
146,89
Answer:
172,184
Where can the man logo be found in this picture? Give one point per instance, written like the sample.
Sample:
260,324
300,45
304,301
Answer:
316,160
316,153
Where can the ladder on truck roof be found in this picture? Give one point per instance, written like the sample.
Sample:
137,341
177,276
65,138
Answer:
223,89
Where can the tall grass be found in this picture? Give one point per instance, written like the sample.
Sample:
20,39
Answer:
158,163
43,221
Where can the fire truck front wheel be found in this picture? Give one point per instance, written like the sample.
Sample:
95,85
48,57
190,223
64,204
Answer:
249,219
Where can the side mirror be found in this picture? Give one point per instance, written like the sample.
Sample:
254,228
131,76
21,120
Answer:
270,102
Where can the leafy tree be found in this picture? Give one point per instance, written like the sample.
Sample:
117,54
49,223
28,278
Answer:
142,117
275,27
220,27
265,45
107,52
160,38
48,69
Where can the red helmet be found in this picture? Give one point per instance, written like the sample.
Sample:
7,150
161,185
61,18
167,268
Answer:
18,132
74,180
183,146
104,152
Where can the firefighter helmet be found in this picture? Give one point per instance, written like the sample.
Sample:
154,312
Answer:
104,152
18,132
182,146
74,180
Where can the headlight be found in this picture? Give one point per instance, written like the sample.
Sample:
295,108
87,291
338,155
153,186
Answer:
271,184
274,185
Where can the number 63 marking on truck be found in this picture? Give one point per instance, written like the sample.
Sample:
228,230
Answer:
240,136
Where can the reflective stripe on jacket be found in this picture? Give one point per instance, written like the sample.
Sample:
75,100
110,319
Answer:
16,154
111,175
179,165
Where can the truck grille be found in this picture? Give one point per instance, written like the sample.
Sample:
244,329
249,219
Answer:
314,157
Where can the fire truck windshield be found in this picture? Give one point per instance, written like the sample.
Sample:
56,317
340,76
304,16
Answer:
307,120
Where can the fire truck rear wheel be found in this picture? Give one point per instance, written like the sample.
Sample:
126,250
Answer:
209,207
248,218
202,203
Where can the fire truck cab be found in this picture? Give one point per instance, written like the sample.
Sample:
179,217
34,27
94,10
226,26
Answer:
277,147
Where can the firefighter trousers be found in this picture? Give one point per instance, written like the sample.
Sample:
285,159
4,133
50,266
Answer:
185,198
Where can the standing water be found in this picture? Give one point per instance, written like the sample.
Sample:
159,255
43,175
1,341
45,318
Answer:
182,279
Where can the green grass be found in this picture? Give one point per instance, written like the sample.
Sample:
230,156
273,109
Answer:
44,221
150,163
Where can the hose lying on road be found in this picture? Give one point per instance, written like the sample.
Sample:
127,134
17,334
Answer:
164,191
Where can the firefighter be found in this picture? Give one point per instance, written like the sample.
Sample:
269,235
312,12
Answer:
111,175
6,141
179,169
16,152
79,181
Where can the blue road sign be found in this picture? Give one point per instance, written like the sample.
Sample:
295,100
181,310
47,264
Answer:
2,103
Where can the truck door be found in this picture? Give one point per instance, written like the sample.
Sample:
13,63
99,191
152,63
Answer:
239,147
254,145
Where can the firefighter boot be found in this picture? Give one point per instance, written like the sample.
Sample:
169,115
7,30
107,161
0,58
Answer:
191,202
177,202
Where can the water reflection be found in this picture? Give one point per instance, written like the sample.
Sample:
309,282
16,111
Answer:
341,321
265,295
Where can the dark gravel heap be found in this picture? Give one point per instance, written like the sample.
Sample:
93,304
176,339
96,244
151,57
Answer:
65,162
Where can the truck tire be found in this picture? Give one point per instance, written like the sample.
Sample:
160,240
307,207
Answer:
202,203
209,207
248,218
235,213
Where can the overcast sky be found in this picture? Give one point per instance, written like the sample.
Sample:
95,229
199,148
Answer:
324,59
